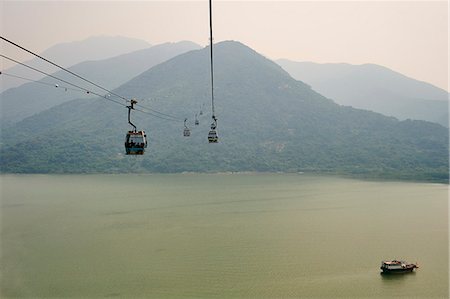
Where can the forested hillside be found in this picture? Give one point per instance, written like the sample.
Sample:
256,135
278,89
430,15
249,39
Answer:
268,121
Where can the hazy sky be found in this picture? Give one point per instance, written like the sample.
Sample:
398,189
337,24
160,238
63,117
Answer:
410,37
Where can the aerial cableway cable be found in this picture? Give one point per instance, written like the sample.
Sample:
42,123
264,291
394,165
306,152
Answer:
158,116
38,82
62,68
78,88
62,80
212,135
152,112
211,56
161,114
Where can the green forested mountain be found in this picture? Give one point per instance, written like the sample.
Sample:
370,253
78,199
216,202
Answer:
375,88
30,98
267,122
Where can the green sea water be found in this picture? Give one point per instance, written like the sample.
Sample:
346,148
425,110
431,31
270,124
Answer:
220,236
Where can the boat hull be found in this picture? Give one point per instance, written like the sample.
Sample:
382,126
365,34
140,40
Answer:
407,269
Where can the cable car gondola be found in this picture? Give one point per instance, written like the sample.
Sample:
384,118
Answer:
135,141
196,120
186,131
212,135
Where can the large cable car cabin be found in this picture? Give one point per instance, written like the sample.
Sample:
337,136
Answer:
135,141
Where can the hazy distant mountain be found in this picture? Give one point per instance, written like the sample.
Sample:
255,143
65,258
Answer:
68,54
30,98
267,122
374,88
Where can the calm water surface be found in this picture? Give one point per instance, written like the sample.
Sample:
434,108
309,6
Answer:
220,236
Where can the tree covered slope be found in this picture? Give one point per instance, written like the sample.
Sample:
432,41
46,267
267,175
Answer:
268,121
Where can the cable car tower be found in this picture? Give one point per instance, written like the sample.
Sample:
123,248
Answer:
135,141
212,135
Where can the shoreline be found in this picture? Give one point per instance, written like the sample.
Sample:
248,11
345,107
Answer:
362,177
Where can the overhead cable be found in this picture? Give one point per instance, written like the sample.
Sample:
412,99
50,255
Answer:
64,69
36,81
82,78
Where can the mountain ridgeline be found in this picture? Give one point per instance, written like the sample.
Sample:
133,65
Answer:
375,88
268,121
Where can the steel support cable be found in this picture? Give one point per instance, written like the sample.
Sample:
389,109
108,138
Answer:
36,81
211,54
84,79
158,116
161,113
58,66
79,88
62,80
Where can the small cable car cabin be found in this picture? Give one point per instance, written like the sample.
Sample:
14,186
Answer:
196,120
212,135
135,142
186,131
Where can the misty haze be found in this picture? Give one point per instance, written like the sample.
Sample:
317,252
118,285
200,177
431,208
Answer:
302,152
